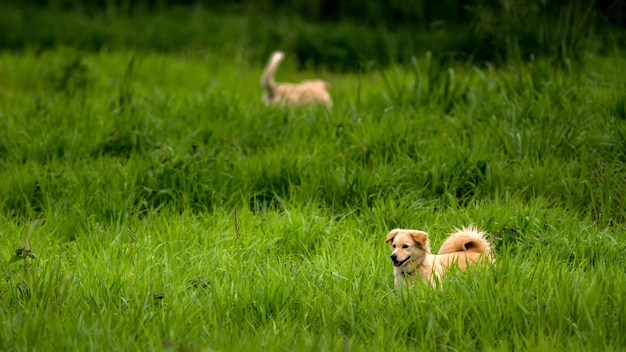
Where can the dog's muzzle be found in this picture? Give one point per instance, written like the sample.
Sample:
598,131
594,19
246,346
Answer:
396,262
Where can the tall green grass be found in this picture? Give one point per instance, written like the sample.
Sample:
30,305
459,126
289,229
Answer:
179,213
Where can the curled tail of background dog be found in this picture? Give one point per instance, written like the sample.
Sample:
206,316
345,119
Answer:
267,79
467,239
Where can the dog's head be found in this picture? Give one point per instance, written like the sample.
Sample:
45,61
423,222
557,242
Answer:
407,245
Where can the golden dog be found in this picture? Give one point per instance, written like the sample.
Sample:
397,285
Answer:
314,91
412,258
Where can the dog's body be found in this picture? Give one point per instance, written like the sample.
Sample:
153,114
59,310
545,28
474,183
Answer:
314,91
412,258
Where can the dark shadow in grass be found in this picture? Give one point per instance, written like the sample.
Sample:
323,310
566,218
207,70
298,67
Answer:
71,75
25,200
3,151
271,186
463,179
121,144
190,181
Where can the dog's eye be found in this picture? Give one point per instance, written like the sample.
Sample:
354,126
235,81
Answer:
393,246
405,246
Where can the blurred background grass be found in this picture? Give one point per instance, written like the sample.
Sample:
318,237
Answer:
338,35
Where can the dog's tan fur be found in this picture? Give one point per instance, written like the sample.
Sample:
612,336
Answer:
314,91
412,257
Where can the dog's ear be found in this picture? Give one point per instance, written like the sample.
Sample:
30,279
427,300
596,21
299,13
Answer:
420,237
391,235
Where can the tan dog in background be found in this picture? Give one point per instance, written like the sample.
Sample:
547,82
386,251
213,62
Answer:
314,91
412,258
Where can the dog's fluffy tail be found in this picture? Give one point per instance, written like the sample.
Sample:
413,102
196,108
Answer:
267,79
468,239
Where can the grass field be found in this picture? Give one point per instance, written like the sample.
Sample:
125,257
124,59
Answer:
165,208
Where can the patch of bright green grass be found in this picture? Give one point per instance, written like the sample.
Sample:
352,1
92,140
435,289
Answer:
178,212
